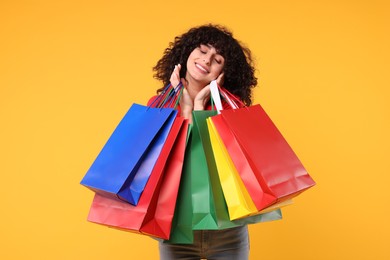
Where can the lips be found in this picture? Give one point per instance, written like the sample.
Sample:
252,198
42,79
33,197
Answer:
201,68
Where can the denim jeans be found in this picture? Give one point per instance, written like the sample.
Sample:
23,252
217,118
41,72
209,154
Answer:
227,244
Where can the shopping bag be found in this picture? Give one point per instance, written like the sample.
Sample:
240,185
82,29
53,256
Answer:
142,129
160,220
276,165
203,207
200,176
181,232
209,207
260,194
144,170
237,198
268,151
215,211
121,215
169,99
200,206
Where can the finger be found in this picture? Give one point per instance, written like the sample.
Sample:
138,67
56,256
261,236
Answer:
205,92
177,68
173,72
175,76
177,71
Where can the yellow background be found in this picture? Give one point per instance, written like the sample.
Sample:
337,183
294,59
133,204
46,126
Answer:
69,70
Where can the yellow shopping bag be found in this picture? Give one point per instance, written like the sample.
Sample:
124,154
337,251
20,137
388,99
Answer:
237,198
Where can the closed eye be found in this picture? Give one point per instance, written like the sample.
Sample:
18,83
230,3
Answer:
203,49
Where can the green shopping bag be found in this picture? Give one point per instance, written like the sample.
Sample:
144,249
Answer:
209,206
200,204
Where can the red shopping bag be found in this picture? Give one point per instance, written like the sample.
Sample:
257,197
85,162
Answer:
276,164
160,220
258,149
121,215
261,195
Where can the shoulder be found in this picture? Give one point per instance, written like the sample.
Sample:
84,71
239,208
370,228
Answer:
152,100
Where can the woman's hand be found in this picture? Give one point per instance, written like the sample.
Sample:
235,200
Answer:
203,96
186,103
175,76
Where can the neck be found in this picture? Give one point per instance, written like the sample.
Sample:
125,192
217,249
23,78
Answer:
193,87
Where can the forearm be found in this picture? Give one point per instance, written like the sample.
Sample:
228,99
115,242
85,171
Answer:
187,113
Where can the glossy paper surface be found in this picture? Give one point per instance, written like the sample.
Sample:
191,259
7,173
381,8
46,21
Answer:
116,164
261,195
268,151
237,197
160,221
122,215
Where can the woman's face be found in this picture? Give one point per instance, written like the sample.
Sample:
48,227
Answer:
204,64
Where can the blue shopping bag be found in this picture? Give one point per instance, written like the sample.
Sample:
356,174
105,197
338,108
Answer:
143,172
124,165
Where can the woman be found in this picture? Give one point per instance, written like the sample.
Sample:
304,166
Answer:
197,57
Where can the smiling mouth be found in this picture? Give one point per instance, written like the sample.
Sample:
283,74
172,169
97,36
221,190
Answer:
201,68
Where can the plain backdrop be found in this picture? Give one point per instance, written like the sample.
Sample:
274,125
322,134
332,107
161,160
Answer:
69,70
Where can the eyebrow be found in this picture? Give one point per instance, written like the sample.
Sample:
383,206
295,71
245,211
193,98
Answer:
211,46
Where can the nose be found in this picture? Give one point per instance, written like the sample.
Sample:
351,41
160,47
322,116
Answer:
206,59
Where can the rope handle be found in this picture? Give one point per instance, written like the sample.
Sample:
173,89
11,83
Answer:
217,92
169,97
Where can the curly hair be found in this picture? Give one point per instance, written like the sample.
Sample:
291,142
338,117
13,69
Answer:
238,70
